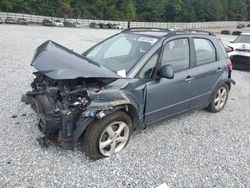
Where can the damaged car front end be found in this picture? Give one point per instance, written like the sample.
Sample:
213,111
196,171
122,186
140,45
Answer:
69,92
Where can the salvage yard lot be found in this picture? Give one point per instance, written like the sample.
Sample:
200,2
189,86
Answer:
193,149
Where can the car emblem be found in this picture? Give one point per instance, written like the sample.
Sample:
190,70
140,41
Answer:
243,46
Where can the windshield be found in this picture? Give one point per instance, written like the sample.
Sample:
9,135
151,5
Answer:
121,52
243,39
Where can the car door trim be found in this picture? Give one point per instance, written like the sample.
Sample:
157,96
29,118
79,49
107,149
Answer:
164,108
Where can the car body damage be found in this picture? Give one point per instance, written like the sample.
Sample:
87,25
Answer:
69,92
125,82
60,63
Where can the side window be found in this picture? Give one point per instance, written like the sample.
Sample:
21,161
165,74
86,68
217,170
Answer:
148,69
223,48
176,53
205,51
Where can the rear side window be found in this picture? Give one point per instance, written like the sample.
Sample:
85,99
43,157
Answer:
223,49
205,51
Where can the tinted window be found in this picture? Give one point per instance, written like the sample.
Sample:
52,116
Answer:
205,51
148,69
176,53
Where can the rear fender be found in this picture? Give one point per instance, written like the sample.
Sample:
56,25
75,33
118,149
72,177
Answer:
228,81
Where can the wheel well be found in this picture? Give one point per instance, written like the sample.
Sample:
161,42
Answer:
128,109
228,83
132,113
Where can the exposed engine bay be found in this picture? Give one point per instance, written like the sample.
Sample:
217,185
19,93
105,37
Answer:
59,103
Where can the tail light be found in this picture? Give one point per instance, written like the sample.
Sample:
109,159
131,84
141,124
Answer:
229,65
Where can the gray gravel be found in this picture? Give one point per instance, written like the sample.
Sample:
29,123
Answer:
196,149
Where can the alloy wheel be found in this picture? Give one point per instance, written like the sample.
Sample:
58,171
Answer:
114,138
220,98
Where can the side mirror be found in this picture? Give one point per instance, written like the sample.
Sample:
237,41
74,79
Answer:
167,71
231,41
229,49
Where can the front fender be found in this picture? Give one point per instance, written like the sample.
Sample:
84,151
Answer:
113,99
105,102
81,124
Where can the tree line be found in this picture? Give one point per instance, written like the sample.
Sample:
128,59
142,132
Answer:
135,10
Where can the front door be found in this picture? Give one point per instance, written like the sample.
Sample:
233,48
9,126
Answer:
166,97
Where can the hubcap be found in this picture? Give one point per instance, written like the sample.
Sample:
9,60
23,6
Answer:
114,138
220,98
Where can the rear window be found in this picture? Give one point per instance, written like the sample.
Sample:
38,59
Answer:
205,51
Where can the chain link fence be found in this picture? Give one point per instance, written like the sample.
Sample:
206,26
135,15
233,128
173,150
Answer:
36,19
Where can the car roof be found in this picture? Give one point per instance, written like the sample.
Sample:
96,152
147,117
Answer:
151,33
162,32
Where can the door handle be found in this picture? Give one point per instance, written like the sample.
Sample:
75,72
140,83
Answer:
188,79
219,69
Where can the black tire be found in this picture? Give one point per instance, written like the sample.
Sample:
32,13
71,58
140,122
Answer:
217,108
94,132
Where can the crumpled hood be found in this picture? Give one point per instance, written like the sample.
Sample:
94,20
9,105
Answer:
240,46
59,63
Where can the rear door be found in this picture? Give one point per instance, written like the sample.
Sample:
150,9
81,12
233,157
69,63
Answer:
206,72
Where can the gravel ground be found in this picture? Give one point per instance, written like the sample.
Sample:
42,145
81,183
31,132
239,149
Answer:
196,149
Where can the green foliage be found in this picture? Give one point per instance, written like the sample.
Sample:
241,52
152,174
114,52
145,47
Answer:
128,9
149,10
5,5
200,10
138,10
65,8
238,10
214,10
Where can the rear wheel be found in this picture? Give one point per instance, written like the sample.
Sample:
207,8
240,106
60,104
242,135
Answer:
219,99
107,136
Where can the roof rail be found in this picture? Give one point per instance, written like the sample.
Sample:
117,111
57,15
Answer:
169,32
197,31
146,28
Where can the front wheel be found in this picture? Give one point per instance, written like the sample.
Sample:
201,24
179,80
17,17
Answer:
107,136
219,99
